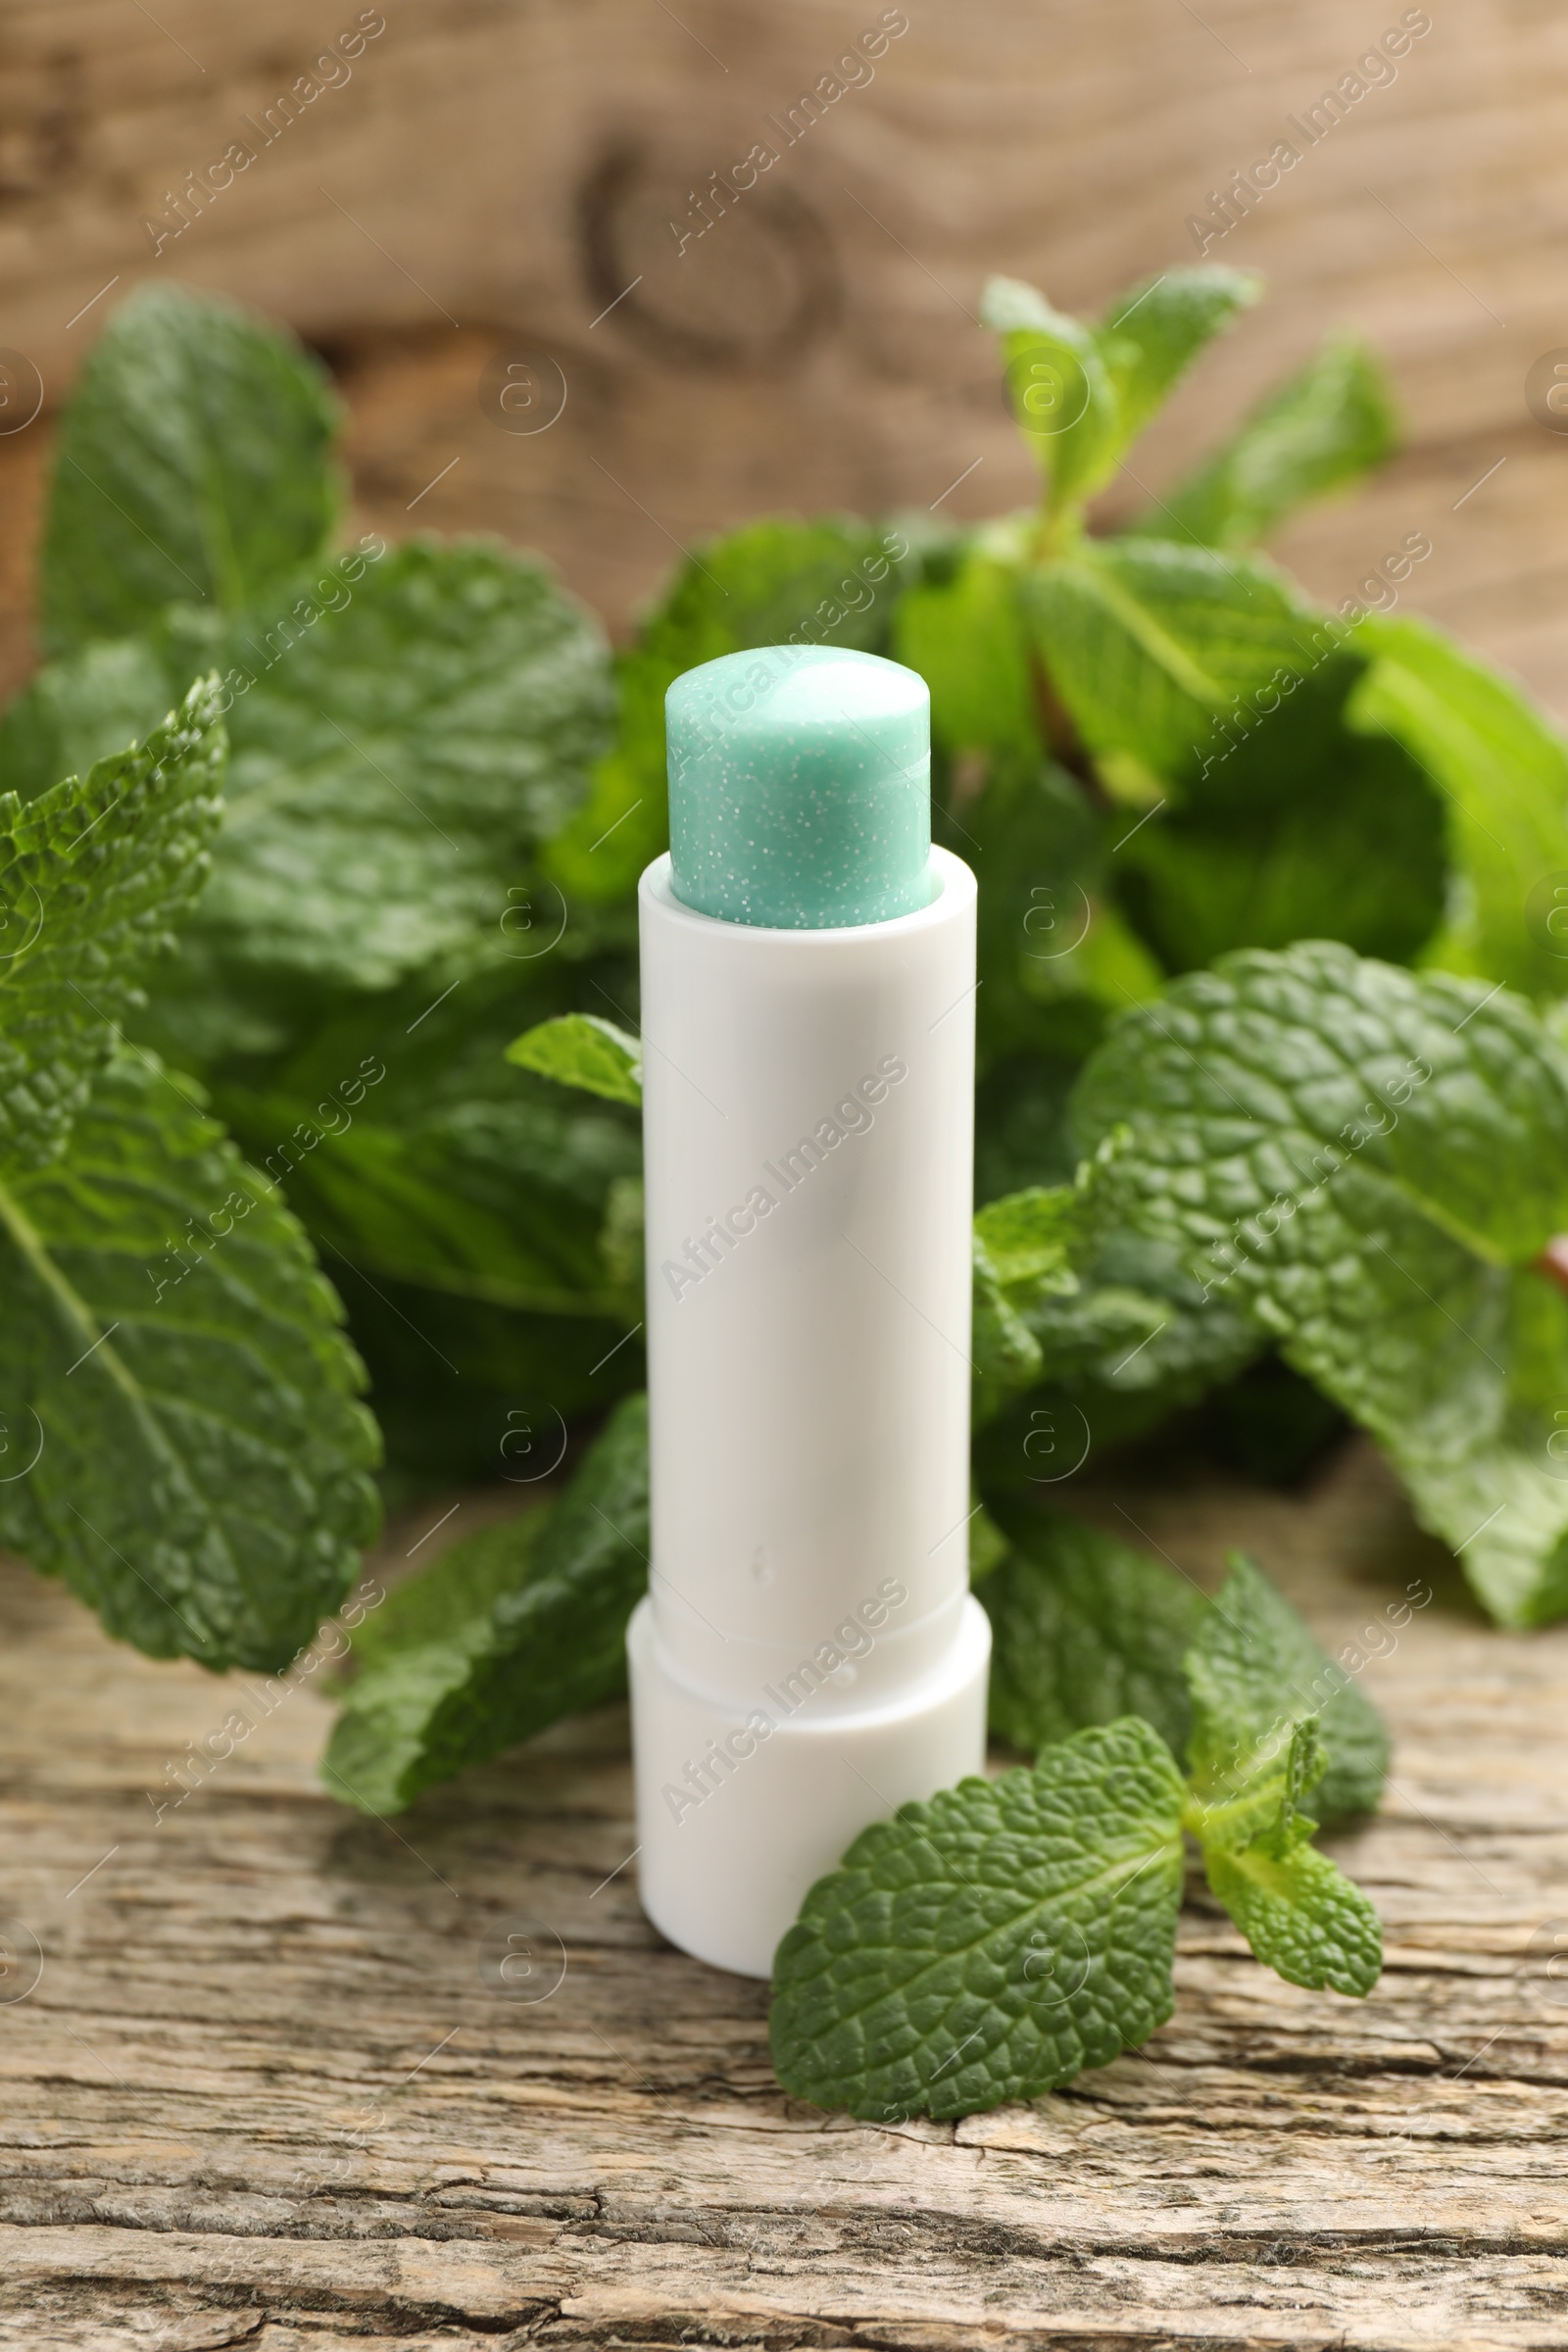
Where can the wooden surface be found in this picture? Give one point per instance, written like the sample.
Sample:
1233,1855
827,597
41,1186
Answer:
266,2089
497,172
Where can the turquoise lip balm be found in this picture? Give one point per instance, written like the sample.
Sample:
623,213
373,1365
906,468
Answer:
809,1656
799,788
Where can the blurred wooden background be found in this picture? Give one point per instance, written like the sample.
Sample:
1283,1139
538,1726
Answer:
494,172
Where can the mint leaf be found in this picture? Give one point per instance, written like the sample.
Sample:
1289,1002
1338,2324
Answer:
192,463
1300,828
1085,1630
1149,643
1082,394
409,1148
775,582
1320,431
73,712
1023,1250
992,1943
91,873
1502,769
1030,1238
1152,334
202,1478
1055,952
965,635
1061,387
1300,1913
1321,1137
503,1635
1135,1342
1256,1678
1261,1739
1003,1351
403,731
394,765
581,1049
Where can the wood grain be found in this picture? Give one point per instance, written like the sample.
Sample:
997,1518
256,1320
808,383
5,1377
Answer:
268,2088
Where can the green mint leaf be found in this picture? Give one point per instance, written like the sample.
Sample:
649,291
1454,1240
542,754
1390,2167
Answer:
1062,388
1137,1341
422,1158
1305,1768
404,730
1256,1678
1150,646
1272,1721
581,1049
1502,769
774,582
192,464
988,1545
1085,1630
395,764
1004,1352
202,1478
74,712
1298,1912
1152,334
1031,1239
992,1943
966,637
1320,431
503,1635
1024,1247
1056,955
1300,828
92,872
1321,1137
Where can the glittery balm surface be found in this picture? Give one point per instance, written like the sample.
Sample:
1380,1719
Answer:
799,788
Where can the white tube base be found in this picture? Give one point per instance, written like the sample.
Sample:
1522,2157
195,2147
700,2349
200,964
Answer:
739,1821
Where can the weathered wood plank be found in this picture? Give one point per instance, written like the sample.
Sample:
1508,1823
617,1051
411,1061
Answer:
266,2083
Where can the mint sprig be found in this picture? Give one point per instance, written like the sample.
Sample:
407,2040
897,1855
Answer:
989,1944
992,1943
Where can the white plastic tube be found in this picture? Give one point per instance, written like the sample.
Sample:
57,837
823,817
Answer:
809,1657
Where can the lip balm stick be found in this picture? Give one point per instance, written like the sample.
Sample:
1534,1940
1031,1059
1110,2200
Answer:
809,1656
